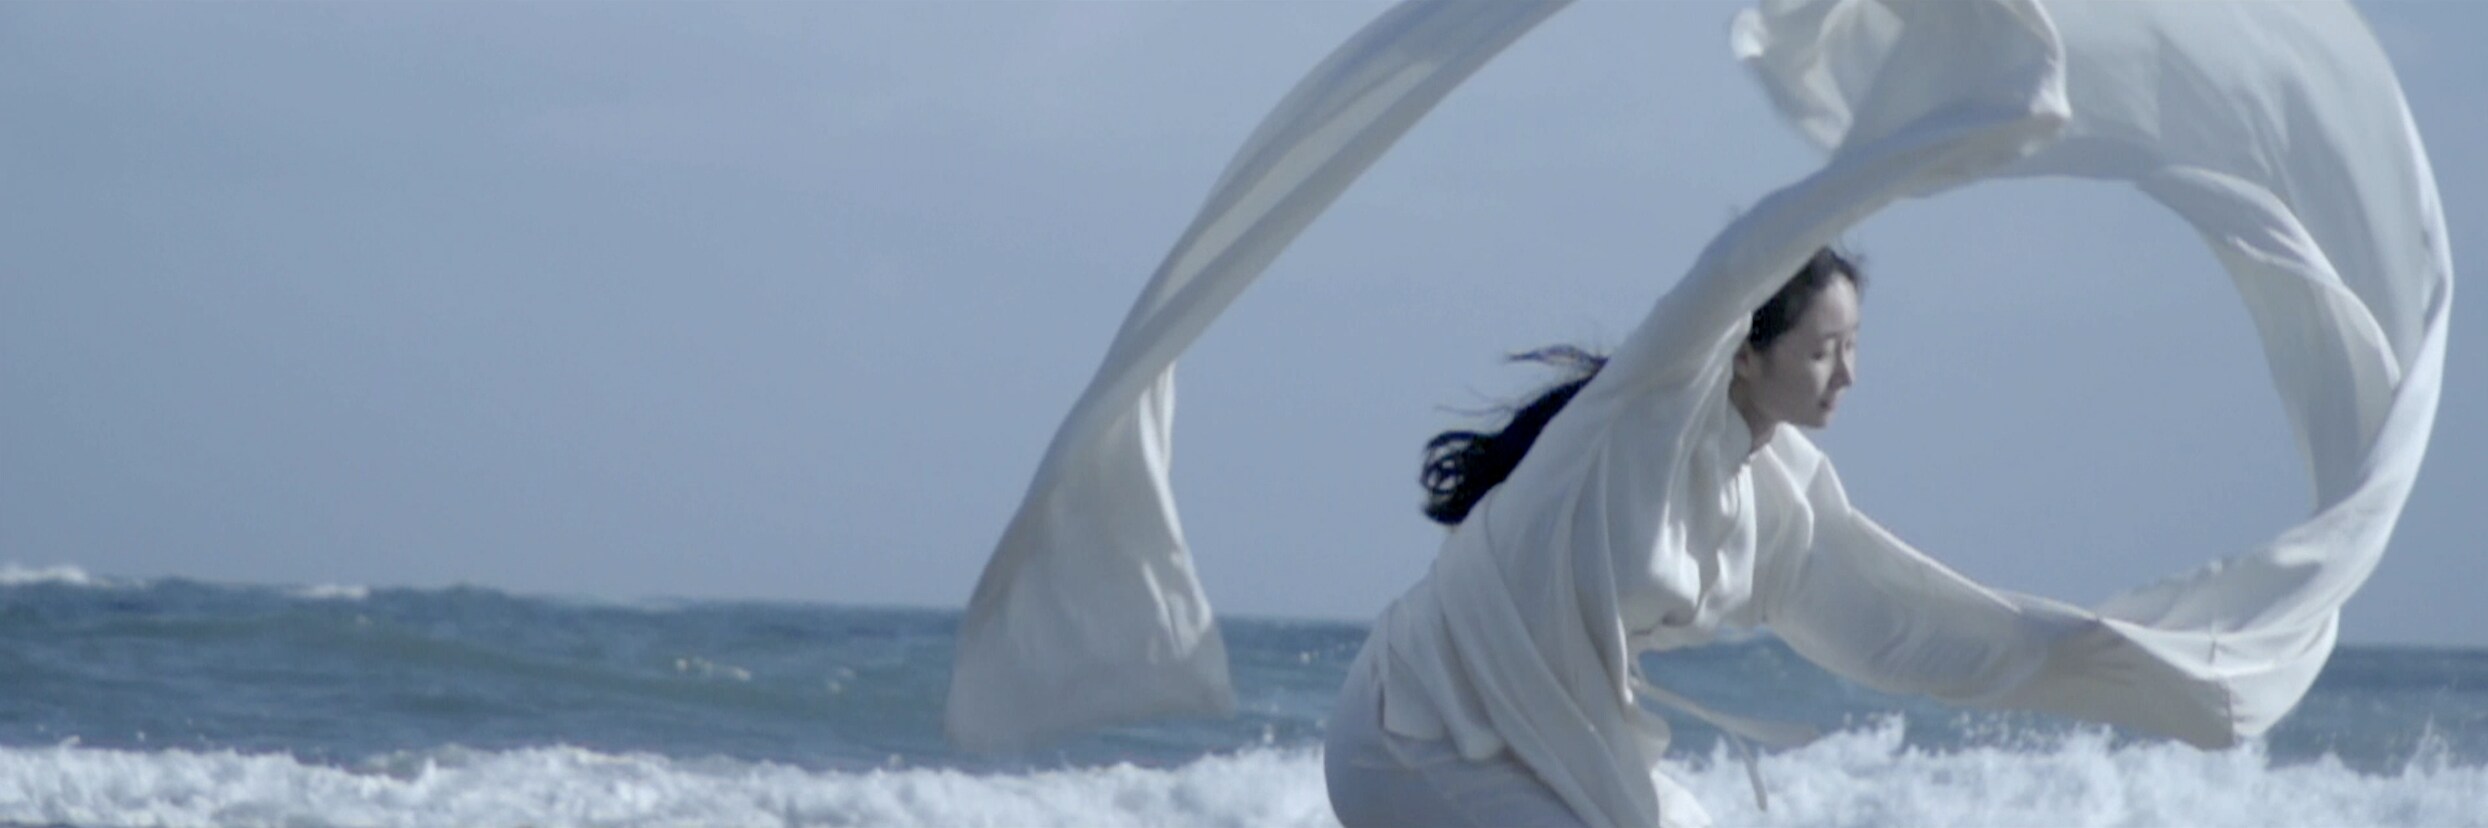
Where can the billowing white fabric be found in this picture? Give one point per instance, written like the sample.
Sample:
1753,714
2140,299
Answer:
2276,130
1089,612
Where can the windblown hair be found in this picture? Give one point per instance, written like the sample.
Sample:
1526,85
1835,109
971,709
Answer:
1461,466
1790,302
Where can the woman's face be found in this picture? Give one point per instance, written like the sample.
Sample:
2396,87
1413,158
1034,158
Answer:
1799,377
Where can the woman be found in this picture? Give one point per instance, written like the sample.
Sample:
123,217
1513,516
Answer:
1664,501
1419,735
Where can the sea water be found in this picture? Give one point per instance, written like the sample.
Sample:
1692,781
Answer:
173,702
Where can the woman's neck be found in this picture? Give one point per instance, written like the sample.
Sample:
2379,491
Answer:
1760,424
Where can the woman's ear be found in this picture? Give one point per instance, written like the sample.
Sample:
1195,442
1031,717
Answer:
1748,363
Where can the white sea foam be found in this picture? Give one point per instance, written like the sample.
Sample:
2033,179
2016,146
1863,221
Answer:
1858,778
568,786
15,574
331,592
1868,777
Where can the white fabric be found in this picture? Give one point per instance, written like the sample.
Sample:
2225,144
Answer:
2277,130
1089,612
1387,780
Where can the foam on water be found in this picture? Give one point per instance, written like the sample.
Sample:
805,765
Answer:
1870,777
1862,777
15,574
331,592
570,786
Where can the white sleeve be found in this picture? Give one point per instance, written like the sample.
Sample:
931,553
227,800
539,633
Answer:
1847,595
1850,596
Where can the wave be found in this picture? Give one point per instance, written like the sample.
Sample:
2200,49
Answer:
331,592
15,574
2086,777
1859,777
572,786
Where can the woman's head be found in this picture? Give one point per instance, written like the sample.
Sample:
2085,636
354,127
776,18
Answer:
1801,352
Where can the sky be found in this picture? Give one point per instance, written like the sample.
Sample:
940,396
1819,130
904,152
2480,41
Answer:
783,301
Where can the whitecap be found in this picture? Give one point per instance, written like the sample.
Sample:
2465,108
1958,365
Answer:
1869,776
571,786
1861,777
331,592
14,574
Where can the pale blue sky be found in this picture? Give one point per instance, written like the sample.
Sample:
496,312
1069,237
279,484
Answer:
783,301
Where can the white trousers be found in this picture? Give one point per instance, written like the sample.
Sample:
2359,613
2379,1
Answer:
1380,778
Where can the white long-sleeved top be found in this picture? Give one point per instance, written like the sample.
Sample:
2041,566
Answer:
1634,522
1621,529
1459,654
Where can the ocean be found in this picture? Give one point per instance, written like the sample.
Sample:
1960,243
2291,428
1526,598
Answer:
175,702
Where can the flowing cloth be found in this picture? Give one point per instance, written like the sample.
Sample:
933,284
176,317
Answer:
2276,130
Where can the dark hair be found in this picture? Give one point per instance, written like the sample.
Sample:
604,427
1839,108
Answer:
1460,466
1790,302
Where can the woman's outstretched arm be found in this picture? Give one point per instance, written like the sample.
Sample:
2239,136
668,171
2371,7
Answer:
1849,596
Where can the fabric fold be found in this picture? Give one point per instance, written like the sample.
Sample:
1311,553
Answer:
1089,612
2299,167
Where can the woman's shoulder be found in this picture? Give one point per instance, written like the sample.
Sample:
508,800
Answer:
1791,454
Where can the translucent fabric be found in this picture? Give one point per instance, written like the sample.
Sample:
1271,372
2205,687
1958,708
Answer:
2275,129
